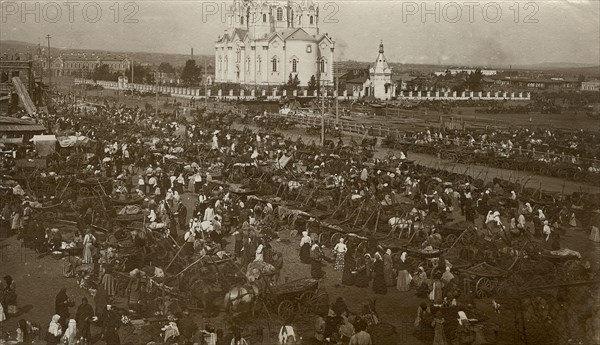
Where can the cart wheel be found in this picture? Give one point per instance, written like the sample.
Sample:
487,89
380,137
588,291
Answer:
484,287
287,310
306,302
84,191
321,238
469,238
335,238
507,289
361,249
449,240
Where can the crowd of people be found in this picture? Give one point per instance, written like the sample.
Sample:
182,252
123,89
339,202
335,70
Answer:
183,180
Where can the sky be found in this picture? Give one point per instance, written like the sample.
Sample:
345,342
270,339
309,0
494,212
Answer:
467,33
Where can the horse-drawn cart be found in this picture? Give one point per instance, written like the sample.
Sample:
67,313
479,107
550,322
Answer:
301,296
487,278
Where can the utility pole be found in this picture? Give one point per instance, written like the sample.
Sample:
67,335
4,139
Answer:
49,67
322,117
132,70
156,92
337,96
205,86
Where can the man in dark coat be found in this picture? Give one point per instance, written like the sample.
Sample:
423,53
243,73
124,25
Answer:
110,326
84,315
62,304
187,327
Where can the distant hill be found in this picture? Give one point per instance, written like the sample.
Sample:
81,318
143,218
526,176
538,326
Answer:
177,60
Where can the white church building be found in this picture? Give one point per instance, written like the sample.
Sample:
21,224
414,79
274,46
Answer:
266,41
379,84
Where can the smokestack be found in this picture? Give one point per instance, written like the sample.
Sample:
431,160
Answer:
192,53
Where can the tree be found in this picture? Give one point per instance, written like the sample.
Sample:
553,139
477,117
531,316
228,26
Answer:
191,73
474,81
141,74
166,67
292,83
313,85
102,72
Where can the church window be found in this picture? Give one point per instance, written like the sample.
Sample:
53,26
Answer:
258,62
264,17
279,14
238,55
274,62
311,20
242,20
226,63
295,66
300,20
322,66
248,65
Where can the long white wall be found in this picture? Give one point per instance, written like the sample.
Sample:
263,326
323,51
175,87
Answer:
187,92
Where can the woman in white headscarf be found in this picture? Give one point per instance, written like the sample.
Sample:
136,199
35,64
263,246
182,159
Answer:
54,331
70,336
404,278
541,215
489,217
521,225
152,216
547,230
305,244
388,269
259,255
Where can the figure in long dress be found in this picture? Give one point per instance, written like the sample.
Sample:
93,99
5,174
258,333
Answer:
88,245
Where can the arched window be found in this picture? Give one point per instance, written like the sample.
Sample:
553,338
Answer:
242,20
274,62
238,55
226,63
220,64
295,66
279,14
248,65
300,20
258,63
322,66
264,17
311,20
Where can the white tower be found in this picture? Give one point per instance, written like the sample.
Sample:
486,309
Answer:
380,76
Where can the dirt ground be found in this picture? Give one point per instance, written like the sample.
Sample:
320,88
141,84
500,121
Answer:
40,278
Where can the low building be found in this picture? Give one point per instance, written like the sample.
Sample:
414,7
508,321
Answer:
82,65
592,85
13,129
455,71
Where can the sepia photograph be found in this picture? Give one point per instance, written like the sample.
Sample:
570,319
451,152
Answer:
315,172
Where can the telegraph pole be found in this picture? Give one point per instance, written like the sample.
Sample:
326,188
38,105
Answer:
132,71
337,96
49,67
205,86
322,117
156,92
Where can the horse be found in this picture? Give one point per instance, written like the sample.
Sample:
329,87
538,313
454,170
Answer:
400,223
243,298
